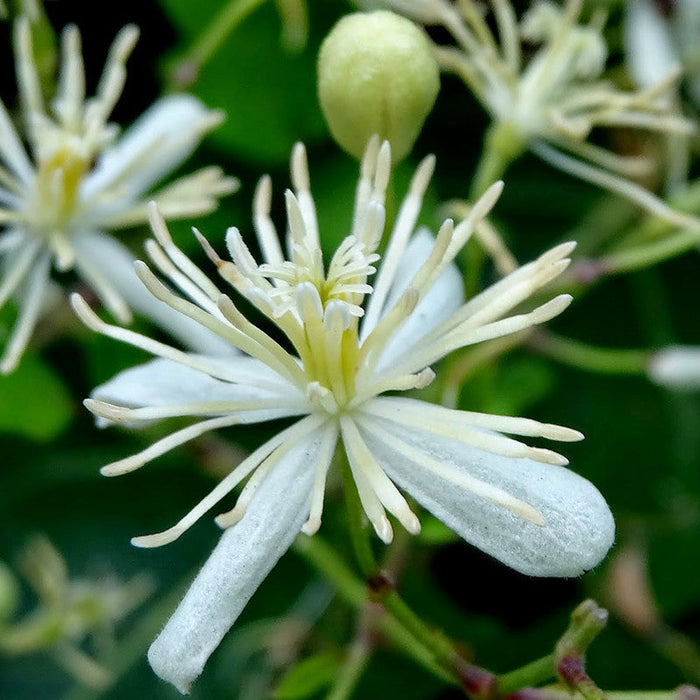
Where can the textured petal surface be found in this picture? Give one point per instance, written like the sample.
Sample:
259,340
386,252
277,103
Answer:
159,140
443,299
164,382
117,265
244,556
578,527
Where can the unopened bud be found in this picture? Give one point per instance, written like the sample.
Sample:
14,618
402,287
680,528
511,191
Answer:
376,75
676,367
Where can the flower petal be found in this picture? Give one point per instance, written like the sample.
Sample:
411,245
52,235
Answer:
575,528
117,265
650,52
244,556
162,382
158,141
443,299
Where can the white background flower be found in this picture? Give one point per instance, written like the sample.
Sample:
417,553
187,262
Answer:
78,180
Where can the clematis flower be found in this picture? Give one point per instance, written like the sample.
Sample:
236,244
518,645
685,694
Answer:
346,344
69,610
550,102
77,181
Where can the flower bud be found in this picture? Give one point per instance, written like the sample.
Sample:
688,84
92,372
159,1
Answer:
676,367
376,75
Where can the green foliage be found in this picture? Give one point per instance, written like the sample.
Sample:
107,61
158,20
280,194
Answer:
268,93
34,402
309,677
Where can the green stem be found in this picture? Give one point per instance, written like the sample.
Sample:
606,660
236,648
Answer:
532,674
590,358
324,559
502,145
644,256
186,68
351,671
558,693
433,639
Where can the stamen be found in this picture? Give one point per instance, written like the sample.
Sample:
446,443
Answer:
111,82
95,323
293,433
368,498
434,348
396,382
27,76
318,394
183,282
393,406
363,191
264,228
180,260
404,227
14,276
30,309
323,461
362,460
489,442
12,149
70,98
611,182
106,291
479,488
160,447
122,414
300,180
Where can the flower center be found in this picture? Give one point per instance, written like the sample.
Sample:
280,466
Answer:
327,304
58,179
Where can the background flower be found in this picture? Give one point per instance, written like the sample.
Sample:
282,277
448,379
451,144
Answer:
79,182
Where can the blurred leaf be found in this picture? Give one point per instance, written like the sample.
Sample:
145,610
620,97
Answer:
511,387
673,571
34,402
269,94
309,677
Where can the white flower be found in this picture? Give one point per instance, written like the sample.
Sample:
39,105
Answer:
549,103
351,342
77,180
69,610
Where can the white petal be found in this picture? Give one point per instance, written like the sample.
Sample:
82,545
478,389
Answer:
244,556
163,382
578,527
443,299
117,264
650,53
158,141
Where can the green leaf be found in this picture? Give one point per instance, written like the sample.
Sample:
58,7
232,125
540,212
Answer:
268,94
309,677
34,401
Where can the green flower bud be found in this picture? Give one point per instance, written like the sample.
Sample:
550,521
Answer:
376,75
